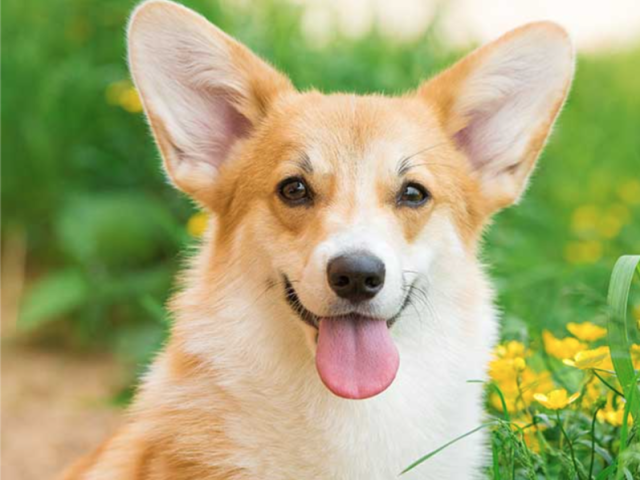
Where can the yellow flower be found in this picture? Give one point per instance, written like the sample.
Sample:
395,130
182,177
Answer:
597,358
519,386
512,403
517,382
609,226
529,433
592,219
506,369
512,349
587,331
589,251
130,100
635,356
125,95
197,224
508,361
629,191
593,392
532,440
556,399
562,349
613,415
585,218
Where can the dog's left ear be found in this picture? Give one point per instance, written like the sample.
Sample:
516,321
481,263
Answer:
499,103
202,91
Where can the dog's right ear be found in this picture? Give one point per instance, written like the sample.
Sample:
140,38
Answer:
201,90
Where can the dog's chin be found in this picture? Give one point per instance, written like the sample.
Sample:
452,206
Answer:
355,355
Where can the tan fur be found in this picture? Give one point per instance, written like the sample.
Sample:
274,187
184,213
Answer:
180,423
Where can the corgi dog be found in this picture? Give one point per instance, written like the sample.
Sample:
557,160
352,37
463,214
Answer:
335,312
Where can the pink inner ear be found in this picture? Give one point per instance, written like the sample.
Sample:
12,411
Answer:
232,127
211,127
490,134
468,140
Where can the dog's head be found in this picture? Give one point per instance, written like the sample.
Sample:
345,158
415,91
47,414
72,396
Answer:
349,200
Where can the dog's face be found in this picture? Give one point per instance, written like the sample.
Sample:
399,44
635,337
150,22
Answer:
354,201
349,200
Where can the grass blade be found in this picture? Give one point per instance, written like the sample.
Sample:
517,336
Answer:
505,410
446,445
496,461
618,298
604,474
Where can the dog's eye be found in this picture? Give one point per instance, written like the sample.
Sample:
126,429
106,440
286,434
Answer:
413,195
294,191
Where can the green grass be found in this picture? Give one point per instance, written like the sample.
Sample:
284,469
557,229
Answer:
81,181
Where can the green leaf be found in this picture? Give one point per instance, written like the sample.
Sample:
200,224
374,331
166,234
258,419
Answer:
115,229
505,410
55,295
496,460
155,310
604,474
619,345
154,281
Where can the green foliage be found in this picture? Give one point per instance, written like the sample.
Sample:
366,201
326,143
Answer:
115,229
55,294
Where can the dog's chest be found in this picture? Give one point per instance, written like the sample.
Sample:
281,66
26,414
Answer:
319,436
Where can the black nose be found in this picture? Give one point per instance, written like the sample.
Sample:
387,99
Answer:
358,276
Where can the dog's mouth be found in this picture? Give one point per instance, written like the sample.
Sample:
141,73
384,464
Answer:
313,320
356,357
296,305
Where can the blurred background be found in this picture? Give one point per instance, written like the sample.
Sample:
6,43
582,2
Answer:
92,234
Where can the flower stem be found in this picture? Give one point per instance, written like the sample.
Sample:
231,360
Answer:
611,387
593,441
573,456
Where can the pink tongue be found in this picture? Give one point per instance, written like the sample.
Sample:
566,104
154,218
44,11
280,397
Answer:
356,357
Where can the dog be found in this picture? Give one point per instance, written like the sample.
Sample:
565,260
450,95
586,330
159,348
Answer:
336,311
